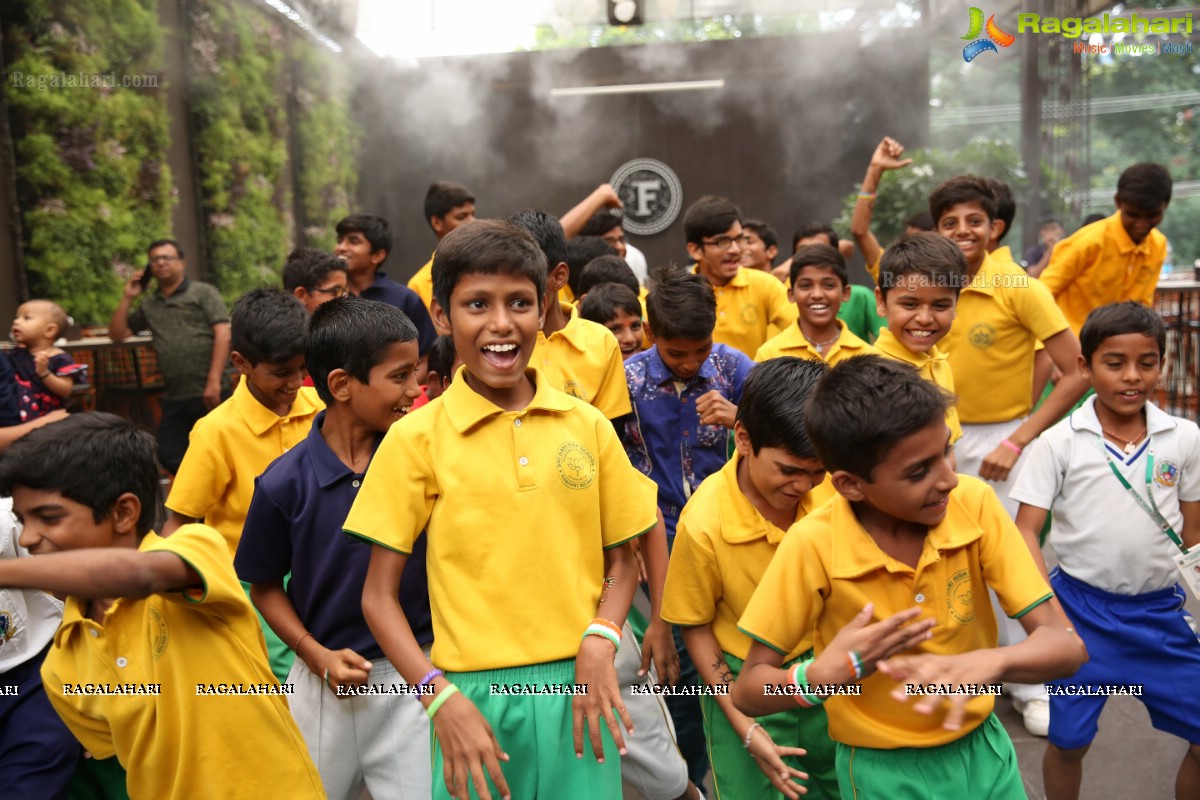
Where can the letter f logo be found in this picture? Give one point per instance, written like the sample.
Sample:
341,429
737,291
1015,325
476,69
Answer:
995,35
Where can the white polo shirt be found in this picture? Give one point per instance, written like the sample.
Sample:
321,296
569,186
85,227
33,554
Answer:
28,618
1100,533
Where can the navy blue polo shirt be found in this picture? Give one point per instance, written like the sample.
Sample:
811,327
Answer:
295,524
386,290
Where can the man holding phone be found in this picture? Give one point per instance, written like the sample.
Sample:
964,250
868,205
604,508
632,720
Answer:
190,324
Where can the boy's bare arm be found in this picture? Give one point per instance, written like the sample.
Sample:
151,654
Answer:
222,338
713,670
469,746
1191,523
339,668
13,432
175,521
1063,349
886,157
603,196
1030,521
100,572
658,646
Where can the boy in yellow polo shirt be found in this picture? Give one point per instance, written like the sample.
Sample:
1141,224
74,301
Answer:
920,277
1118,258
447,205
576,356
725,538
820,284
905,530
152,625
752,306
529,504
269,413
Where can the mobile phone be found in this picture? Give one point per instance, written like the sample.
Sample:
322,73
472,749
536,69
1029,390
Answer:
147,274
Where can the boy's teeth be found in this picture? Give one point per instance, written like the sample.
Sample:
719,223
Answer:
500,348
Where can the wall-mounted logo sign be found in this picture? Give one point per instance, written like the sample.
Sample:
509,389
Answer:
650,193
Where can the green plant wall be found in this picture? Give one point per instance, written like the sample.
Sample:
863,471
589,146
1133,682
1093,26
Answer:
86,100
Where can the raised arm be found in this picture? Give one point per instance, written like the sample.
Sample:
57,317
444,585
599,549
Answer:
603,196
886,157
118,326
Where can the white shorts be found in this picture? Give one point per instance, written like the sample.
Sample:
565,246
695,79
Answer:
380,741
653,769
976,443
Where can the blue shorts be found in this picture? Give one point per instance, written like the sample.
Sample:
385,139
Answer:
1143,639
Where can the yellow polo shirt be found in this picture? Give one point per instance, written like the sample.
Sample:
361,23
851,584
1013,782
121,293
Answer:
792,343
1001,316
179,744
230,447
722,548
584,360
519,507
1099,264
422,283
828,567
751,308
933,365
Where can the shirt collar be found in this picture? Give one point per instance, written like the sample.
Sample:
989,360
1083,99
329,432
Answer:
328,468
261,419
855,553
1084,419
983,282
658,374
466,408
180,289
1120,237
889,345
572,332
739,278
741,522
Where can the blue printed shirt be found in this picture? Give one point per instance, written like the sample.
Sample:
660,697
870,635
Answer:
664,436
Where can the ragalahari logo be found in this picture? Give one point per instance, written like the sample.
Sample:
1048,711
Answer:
995,36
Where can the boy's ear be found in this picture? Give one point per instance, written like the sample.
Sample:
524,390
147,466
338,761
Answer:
126,512
880,306
848,485
695,251
649,334
378,257
300,293
997,230
557,279
771,252
339,385
845,293
741,439
241,363
441,320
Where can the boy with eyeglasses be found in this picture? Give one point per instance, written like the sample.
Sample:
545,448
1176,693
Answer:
314,277
752,306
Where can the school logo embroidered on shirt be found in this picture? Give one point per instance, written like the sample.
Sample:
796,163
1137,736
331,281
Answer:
960,601
7,627
750,314
1166,473
982,335
572,388
576,465
158,633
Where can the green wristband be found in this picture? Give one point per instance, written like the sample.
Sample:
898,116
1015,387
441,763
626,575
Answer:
444,695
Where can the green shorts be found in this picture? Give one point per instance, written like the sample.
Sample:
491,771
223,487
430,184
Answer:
536,732
981,765
279,655
736,773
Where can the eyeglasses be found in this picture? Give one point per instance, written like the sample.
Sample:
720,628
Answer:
163,259
723,242
336,291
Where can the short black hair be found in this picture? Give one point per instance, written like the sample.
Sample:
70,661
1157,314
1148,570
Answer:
819,255
763,231
921,220
962,189
92,459
442,356
268,325
681,305
930,255
374,229
607,269
487,247
308,267
709,216
581,251
864,407
604,299
443,197
352,334
774,401
602,222
809,229
1117,319
1092,218
1006,204
1145,186
161,242
547,231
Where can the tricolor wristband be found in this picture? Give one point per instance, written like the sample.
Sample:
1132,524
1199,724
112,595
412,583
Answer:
800,681
607,623
603,631
856,665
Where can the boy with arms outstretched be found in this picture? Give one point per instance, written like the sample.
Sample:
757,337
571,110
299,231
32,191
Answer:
503,452
362,356
1123,478
146,611
904,529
